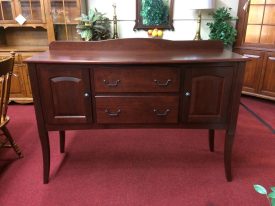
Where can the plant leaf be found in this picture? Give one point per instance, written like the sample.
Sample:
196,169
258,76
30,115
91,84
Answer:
273,189
273,202
272,195
260,189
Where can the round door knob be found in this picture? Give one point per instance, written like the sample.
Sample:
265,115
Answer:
86,94
187,94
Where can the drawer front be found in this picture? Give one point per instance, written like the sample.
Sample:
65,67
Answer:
139,110
135,79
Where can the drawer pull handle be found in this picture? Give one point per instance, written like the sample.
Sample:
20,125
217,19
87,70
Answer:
159,113
112,114
159,83
111,84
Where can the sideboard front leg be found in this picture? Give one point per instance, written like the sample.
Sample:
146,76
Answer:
43,133
62,141
228,144
44,139
211,135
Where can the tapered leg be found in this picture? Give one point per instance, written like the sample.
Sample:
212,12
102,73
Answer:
62,141
11,141
229,139
44,140
211,135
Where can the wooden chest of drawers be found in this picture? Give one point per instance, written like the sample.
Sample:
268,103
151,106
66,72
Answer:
136,79
92,87
136,95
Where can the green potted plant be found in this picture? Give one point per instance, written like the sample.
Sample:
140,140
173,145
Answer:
94,26
221,28
270,197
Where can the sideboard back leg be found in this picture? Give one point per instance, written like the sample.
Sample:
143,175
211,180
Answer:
62,141
211,135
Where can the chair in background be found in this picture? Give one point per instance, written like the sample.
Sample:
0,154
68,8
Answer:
6,70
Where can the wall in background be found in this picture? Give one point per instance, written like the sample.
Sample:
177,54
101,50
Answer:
185,23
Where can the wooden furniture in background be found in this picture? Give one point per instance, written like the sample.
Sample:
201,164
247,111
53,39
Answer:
256,39
46,21
6,71
62,24
136,83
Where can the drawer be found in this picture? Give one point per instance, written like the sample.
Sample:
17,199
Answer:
140,110
136,79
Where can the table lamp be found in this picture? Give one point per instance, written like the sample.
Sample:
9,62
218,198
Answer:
201,5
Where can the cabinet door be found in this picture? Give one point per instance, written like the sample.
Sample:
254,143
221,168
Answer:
267,85
31,10
7,11
64,14
65,93
18,86
253,70
21,58
207,94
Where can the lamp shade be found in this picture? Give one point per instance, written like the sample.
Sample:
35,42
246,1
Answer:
201,4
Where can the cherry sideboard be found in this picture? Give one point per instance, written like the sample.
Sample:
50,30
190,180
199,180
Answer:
136,83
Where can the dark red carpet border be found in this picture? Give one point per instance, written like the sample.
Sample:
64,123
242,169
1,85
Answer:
148,167
264,110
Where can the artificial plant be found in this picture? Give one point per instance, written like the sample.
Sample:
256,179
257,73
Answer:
270,197
222,28
154,12
94,26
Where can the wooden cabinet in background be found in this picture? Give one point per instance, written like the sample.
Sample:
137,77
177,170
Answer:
45,21
32,11
62,24
20,91
256,39
259,77
267,82
20,87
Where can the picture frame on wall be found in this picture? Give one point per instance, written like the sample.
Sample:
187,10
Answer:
154,14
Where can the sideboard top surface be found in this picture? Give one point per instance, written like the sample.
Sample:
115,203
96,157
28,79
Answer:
136,51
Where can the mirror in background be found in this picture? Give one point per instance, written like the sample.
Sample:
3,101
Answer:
154,14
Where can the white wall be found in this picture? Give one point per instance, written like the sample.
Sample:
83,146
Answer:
184,19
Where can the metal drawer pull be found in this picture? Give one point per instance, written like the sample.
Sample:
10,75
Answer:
272,58
112,114
111,84
162,84
86,94
159,113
